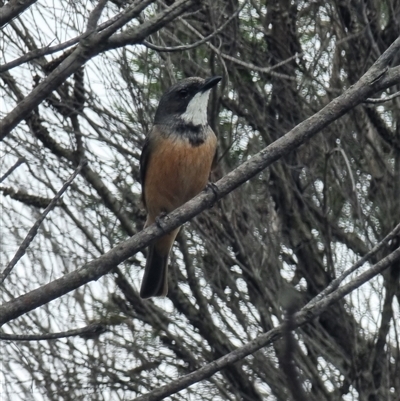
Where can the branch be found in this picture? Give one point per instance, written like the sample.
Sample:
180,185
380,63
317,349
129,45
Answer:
51,49
95,15
34,229
12,168
23,197
131,36
12,9
382,100
91,45
122,18
198,43
300,318
377,78
94,329
333,285
249,66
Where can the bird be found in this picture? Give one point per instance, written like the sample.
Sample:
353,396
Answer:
175,165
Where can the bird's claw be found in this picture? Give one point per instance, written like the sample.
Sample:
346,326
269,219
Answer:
159,219
214,190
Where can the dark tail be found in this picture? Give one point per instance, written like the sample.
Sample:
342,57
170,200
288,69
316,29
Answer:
155,279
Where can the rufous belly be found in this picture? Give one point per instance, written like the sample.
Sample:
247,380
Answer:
176,172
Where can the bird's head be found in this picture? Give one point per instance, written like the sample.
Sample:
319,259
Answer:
186,102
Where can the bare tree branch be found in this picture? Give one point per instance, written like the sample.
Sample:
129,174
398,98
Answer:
33,231
12,9
250,66
384,99
12,168
51,49
198,43
336,282
95,15
300,318
94,329
132,36
89,47
24,197
123,18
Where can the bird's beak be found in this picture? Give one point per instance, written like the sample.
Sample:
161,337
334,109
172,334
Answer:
210,83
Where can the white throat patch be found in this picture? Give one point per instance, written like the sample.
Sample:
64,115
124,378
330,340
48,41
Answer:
196,110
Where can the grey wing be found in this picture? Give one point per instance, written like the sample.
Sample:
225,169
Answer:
144,160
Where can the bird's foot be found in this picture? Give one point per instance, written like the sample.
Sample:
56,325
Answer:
159,220
211,186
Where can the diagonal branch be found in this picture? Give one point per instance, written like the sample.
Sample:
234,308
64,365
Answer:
205,39
377,78
333,285
383,99
33,54
12,9
302,317
90,46
93,330
95,15
131,36
34,229
20,161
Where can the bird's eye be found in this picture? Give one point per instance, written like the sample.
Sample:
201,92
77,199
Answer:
183,93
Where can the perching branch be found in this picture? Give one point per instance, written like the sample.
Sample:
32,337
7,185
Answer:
378,77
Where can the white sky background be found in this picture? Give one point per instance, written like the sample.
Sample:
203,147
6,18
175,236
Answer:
53,22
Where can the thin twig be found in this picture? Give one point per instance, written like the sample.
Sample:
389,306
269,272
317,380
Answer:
353,182
346,160
20,161
198,43
93,329
335,283
33,231
382,100
51,49
250,66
